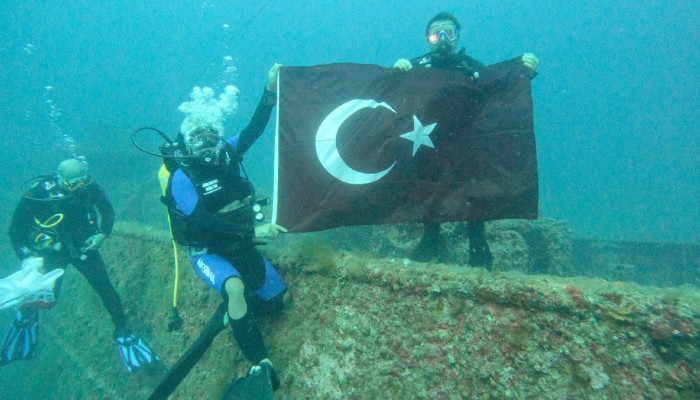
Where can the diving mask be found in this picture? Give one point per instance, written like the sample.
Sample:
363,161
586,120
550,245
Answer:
448,32
74,183
202,141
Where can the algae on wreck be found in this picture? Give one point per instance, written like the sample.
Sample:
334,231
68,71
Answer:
373,327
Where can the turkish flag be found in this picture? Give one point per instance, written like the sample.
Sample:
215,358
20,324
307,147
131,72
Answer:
365,145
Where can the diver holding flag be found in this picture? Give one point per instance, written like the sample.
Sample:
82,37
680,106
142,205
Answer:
442,37
213,211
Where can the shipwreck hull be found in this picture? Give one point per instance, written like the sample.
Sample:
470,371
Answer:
363,327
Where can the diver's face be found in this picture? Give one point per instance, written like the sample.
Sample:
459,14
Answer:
206,144
203,141
443,37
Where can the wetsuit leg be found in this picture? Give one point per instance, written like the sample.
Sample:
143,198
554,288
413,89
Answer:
216,270
270,297
243,324
250,264
479,252
250,340
94,270
432,244
55,261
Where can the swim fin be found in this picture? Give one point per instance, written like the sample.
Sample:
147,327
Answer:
182,367
134,352
258,385
20,342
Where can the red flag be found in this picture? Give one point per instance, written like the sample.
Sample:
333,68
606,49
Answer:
365,145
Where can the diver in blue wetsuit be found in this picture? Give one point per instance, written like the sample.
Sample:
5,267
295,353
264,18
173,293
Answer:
442,37
211,201
64,219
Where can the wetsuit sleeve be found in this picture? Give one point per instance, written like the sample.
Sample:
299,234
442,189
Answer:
20,224
184,193
257,124
104,206
188,203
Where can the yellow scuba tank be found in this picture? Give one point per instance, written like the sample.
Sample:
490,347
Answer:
163,176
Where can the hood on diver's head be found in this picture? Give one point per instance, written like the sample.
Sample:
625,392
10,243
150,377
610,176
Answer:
198,134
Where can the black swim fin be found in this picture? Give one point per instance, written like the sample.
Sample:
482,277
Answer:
258,385
20,342
182,367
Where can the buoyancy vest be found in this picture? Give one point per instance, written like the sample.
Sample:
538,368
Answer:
222,190
459,61
58,220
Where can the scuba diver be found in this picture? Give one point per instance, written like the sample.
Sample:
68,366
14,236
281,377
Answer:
64,219
442,36
211,206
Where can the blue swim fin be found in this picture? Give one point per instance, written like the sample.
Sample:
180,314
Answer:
134,352
20,342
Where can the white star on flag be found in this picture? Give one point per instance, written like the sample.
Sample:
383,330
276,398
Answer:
420,135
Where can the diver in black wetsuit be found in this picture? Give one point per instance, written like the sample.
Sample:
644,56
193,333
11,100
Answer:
442,34
65,218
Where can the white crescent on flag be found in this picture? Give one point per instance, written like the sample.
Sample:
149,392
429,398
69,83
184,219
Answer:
327,144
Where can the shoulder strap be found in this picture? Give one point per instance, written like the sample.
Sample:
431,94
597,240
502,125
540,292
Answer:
469,65
165,178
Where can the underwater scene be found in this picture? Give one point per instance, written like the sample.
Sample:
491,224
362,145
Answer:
155,245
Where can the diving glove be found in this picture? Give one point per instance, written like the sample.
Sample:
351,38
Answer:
134,352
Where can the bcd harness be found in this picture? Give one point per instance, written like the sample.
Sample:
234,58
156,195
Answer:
223,191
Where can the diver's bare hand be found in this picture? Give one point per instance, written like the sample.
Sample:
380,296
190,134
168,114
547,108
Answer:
531,62
268,231
272,76
403,64
94,242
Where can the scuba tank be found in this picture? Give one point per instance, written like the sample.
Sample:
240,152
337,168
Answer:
171,153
